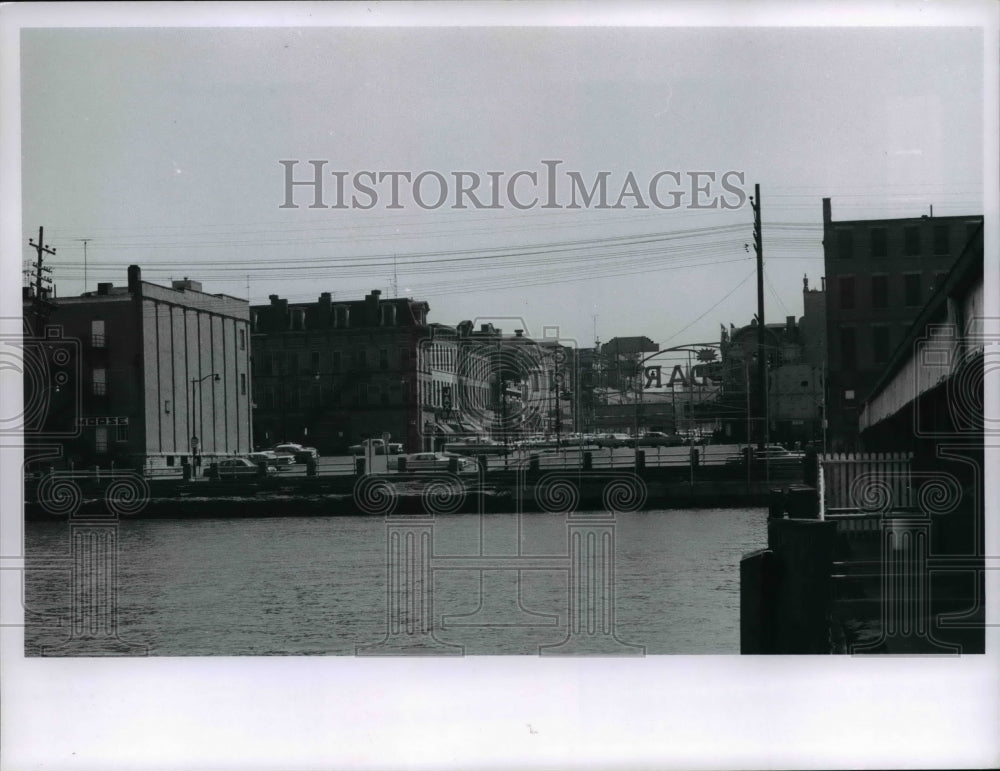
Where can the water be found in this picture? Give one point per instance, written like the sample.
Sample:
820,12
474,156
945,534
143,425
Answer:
318,586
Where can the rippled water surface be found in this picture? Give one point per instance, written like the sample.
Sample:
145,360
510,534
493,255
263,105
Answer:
317,586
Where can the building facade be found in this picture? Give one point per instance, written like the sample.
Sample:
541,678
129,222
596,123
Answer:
158,376
331,374
879,274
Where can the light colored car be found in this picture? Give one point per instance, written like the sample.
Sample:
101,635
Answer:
234,468
271,458
436,461
660,439
297,451
771,454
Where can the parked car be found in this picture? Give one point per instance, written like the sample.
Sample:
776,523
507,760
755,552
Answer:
771,454
436,461
380,447
476,445
297,451
613,440
271,458
660,439
234,468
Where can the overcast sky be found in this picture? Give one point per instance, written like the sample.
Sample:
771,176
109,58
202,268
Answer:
162,146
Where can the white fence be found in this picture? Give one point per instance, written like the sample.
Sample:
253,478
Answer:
865,483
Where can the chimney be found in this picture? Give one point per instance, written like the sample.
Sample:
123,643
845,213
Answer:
518,333
371,307
134,279
827,216
822,283
790,324
104,288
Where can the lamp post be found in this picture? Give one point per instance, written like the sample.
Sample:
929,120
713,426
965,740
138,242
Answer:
196,381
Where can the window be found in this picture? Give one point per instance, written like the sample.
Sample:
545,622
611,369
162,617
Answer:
384,396
880,291
243,339
101,439
100,381
314,361
941,240
383,358
911,240
170,460
359,358
848,349
362,393
266,364
388,315
911,289
243,384
880,344
336,361
847,293
341,316
939,279
269,398
845,244
878,242
121,435
97,338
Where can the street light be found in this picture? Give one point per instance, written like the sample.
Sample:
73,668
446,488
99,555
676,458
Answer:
194,383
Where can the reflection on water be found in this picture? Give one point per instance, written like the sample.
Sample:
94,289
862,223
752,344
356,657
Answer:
319,586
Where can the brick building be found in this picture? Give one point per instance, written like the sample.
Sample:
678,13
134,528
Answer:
879,274
139,376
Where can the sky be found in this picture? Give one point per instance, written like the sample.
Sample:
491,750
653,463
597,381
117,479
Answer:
162,147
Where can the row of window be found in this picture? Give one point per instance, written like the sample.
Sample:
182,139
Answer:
912,243
340,317
879,288
881,345
290,362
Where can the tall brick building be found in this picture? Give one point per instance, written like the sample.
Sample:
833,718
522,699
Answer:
139,376
879,274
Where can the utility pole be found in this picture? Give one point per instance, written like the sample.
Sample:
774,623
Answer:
40,269
758,245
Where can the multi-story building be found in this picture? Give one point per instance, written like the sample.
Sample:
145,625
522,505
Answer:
331,374
143,376
795,354
879,274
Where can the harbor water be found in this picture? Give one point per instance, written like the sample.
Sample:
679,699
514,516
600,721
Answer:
297,586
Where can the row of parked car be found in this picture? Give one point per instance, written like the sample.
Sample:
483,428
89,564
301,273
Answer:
277,457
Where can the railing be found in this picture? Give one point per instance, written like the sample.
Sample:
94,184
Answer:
865,484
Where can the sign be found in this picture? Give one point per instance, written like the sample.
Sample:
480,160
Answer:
102,421
446,398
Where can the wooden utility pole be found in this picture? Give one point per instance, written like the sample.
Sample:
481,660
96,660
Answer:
758,245
40,269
